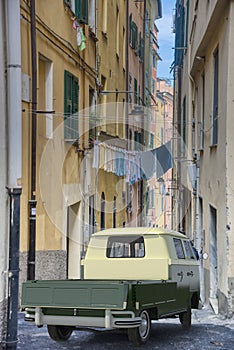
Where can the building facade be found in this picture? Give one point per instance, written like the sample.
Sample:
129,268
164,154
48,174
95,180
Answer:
75,75
65,77
203,117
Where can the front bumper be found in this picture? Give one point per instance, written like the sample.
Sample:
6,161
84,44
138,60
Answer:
124,319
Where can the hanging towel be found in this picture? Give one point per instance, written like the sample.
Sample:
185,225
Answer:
96,155
163,156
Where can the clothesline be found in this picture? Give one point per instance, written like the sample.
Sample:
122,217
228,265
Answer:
134,165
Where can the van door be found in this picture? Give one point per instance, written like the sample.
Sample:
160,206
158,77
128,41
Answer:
193,271
179,267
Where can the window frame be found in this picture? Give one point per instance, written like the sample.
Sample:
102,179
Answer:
177,241
71,101
215,111
125,240
80,8
190,249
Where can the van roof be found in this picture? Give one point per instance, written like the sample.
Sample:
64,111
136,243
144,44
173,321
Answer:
138,231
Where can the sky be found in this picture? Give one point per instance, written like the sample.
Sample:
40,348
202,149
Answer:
166,39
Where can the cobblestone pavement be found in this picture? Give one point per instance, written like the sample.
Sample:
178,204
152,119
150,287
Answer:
208,332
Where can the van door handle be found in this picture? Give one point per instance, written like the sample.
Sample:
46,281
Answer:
181,274
190,273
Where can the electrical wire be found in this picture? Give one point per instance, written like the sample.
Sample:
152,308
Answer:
63,41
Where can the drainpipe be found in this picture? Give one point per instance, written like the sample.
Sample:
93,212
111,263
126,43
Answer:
179,185
127,68
32,201
14,128
3,176
127,100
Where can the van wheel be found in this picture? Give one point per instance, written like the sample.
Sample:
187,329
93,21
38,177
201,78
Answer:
59,333
140,335
185,319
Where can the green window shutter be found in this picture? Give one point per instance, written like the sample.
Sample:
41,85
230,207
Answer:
82,10
67,103
134,35
130,29
71,97
135,91
75,99
136,39
141,48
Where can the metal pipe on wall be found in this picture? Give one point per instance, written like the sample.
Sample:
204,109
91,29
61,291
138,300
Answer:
32,201
14,161
3,177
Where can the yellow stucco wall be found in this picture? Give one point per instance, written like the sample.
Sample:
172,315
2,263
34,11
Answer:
56,43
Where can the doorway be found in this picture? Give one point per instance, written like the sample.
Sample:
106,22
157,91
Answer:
213,254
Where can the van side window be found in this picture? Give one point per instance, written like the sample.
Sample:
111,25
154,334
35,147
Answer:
125,247
188,249
179,248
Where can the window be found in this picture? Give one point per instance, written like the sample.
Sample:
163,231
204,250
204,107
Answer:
80,8
152,198
117,32
203,109
135,91
215,99
71,99
183,127
189,250
147,23
92,114
130,89
146,84
124,49
92,20
103,208
125,247
151,141
133,34
179,248
201,122
114,212
91,215
45,100
141,48
162,135
154,61
136,140
162,204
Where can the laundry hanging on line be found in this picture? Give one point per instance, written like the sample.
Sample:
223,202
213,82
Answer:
134,165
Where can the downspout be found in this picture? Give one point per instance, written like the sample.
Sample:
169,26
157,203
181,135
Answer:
198,234
143,183
127,69
179,215
12,15
32,201
127,101
3,176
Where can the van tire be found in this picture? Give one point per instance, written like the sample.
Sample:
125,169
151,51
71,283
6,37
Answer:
140,335
185,319
59,333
